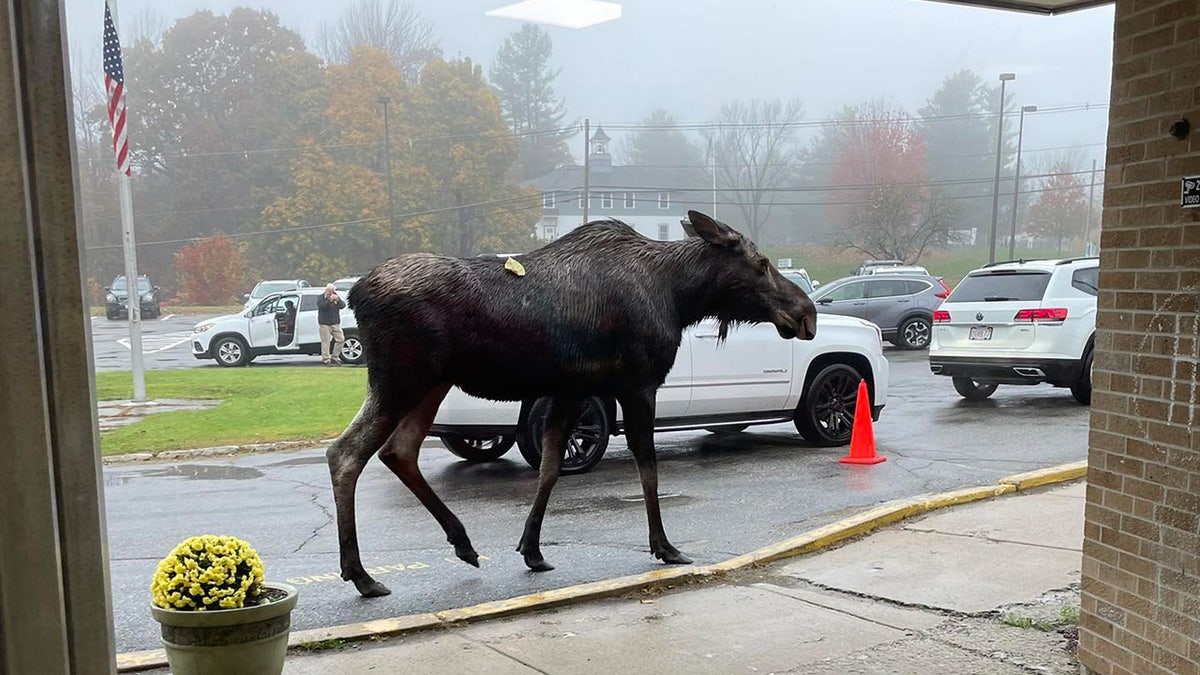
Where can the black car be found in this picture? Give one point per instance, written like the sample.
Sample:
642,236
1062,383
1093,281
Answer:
116,304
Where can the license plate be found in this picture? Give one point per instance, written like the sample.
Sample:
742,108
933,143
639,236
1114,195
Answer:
981,333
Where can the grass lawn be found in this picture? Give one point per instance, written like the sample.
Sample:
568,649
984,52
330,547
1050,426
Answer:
260,405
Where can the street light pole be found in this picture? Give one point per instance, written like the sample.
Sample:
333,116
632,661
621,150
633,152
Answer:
1012,237
1004,78
387,166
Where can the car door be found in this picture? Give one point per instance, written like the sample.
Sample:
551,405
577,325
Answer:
307,330
887,300
750,372
675,394
286,339
849,299
263,332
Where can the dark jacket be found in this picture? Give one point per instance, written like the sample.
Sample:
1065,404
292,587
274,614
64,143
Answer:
329,313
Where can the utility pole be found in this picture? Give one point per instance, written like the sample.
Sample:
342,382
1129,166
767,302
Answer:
1087,228
387,165
1004,79
133,295
1012,237
587,167
712,162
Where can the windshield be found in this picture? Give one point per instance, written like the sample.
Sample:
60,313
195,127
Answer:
120,287
268,287
1001,287
798,279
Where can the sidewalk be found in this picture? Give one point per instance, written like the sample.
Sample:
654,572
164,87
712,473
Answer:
989,587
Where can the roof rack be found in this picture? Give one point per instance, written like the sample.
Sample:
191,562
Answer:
1068,261
1021,261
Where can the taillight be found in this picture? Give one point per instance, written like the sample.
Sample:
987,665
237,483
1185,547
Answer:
945,292
941,316
1041,315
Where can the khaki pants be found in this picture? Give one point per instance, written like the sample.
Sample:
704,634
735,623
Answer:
338,338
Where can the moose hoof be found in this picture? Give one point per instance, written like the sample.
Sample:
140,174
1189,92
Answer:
468,556
536,563
369,588
672,556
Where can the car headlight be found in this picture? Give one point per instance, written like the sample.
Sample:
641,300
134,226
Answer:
147,297
200,328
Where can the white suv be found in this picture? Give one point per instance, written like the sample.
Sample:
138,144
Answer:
272,327
1026,322
753,378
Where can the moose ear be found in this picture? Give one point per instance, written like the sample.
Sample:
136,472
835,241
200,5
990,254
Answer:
712,231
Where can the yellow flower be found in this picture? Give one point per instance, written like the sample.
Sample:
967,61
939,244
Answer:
211,570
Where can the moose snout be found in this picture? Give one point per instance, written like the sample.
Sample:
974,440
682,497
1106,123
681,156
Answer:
801,323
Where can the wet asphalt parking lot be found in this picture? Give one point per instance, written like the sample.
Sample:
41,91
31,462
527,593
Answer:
721,497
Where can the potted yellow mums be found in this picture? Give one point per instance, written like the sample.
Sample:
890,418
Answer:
216,612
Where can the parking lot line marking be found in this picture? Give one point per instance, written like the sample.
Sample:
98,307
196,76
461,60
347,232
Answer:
150,342
164,318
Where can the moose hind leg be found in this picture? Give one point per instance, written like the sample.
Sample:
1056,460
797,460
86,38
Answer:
560,418
400,455
639,434
346,457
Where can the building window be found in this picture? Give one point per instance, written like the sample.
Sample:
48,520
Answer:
664,200
664,231
580,200
548,200
629,200
606,200
549,232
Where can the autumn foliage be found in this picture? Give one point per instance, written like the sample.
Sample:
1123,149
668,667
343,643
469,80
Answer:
210,271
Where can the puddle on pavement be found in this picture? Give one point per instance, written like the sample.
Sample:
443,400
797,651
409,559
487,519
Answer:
614,503
202,472
298,461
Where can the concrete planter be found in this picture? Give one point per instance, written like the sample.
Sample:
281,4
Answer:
246,641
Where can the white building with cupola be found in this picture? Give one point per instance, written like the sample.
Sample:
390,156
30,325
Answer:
651,199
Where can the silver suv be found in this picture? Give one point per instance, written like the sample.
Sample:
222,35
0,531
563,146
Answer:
902,305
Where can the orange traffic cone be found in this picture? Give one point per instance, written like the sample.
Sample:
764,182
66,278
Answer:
862,438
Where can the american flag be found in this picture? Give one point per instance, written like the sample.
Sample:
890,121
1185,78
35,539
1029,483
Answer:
114,82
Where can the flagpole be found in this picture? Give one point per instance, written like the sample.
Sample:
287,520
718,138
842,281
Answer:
133,296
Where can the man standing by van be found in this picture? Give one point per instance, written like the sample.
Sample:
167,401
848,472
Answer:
329,316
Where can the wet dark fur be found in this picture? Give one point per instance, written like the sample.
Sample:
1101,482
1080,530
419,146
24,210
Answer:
601,311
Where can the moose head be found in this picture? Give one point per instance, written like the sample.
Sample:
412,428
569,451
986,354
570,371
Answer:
748,288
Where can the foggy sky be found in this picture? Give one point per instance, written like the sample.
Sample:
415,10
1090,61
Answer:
691,55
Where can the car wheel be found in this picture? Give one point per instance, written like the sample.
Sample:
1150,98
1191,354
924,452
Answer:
728,431
1082,390
972,390
231,351
352,351
914,333
825,414
478,449
585,446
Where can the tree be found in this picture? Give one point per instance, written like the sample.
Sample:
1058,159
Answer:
393,26
467,165
754,151
1060,208
210,271
959,125
660,143
524,85
882,201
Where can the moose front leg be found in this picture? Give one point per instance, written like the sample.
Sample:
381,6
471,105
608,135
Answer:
639,434
561,417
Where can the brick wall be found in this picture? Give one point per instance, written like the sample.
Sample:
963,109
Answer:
1141,566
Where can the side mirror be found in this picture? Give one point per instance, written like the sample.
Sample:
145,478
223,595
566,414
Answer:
816,284
107,289
245,296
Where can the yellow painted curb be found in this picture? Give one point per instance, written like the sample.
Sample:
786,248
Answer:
808,542
1054,474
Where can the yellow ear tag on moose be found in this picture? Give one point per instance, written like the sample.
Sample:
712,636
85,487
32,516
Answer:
515,267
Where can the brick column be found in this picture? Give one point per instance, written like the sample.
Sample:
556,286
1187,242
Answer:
1141,564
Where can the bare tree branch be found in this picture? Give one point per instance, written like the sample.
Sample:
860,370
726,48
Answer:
394,26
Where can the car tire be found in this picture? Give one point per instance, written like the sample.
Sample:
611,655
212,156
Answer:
728,431
972,390
586,445
478,449
1082,390
230,351
825,414
352,350
914,333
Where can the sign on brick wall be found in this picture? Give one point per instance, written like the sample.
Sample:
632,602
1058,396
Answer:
1190,192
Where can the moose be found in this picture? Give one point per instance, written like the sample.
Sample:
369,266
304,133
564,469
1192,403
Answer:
600,311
